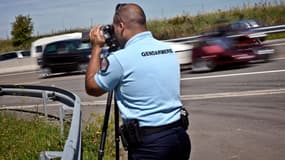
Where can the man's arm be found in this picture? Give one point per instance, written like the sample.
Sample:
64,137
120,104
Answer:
98,41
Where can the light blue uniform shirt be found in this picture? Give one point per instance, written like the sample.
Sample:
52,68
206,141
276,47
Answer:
146,78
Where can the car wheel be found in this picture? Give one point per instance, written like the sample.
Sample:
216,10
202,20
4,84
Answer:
202,65
211,64
266,58
45,72
83,67
197,65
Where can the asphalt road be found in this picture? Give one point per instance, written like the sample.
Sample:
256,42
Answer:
235,114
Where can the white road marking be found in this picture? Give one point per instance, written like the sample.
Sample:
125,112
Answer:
183,97
188,97
280,58
278,44
16,74
233,94
232,75
27,106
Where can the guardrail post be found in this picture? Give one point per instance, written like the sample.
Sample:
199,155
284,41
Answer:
61,117
48,155
72,147
45,98
43,156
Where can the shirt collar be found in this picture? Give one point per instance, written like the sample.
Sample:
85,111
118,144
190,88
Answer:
138,37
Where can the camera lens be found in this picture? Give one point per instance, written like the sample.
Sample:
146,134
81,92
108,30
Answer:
85,36
108,33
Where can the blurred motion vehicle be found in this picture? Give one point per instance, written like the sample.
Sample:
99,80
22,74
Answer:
65,56
215,51
15,54
245,35
261,52
39,45
232,44
184,53
241,27
24,53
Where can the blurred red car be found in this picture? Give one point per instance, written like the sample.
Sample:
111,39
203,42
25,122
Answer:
253,42
215,51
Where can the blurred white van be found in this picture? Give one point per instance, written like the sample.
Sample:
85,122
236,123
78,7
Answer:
184,53
38,46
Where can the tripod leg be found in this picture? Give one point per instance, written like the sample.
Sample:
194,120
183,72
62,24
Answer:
117,138
105,125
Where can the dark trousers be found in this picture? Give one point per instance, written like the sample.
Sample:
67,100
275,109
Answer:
172,144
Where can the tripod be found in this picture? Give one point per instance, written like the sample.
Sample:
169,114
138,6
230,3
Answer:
105,127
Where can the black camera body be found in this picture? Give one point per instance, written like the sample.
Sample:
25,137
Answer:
109,35
110,38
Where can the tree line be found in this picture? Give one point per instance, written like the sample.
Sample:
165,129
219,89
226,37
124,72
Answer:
22,30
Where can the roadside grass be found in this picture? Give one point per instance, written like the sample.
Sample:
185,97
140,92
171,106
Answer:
25,139
20,139
6,45
267,12
276,36
92,137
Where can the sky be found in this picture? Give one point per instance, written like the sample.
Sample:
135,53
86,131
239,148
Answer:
49,16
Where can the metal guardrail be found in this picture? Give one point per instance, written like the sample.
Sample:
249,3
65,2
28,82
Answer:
72,147
271,29
260,30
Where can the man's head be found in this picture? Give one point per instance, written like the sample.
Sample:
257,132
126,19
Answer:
129,20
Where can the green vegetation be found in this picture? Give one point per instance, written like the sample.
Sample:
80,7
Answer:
276,36
185,25
92,136
7,45
269,13
22,30
25,139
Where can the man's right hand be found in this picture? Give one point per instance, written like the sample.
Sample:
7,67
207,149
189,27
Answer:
97,38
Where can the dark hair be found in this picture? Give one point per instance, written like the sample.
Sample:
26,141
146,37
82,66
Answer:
135,15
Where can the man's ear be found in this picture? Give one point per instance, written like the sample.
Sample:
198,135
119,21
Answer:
122,25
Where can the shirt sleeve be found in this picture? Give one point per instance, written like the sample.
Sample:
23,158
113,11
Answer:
111,76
